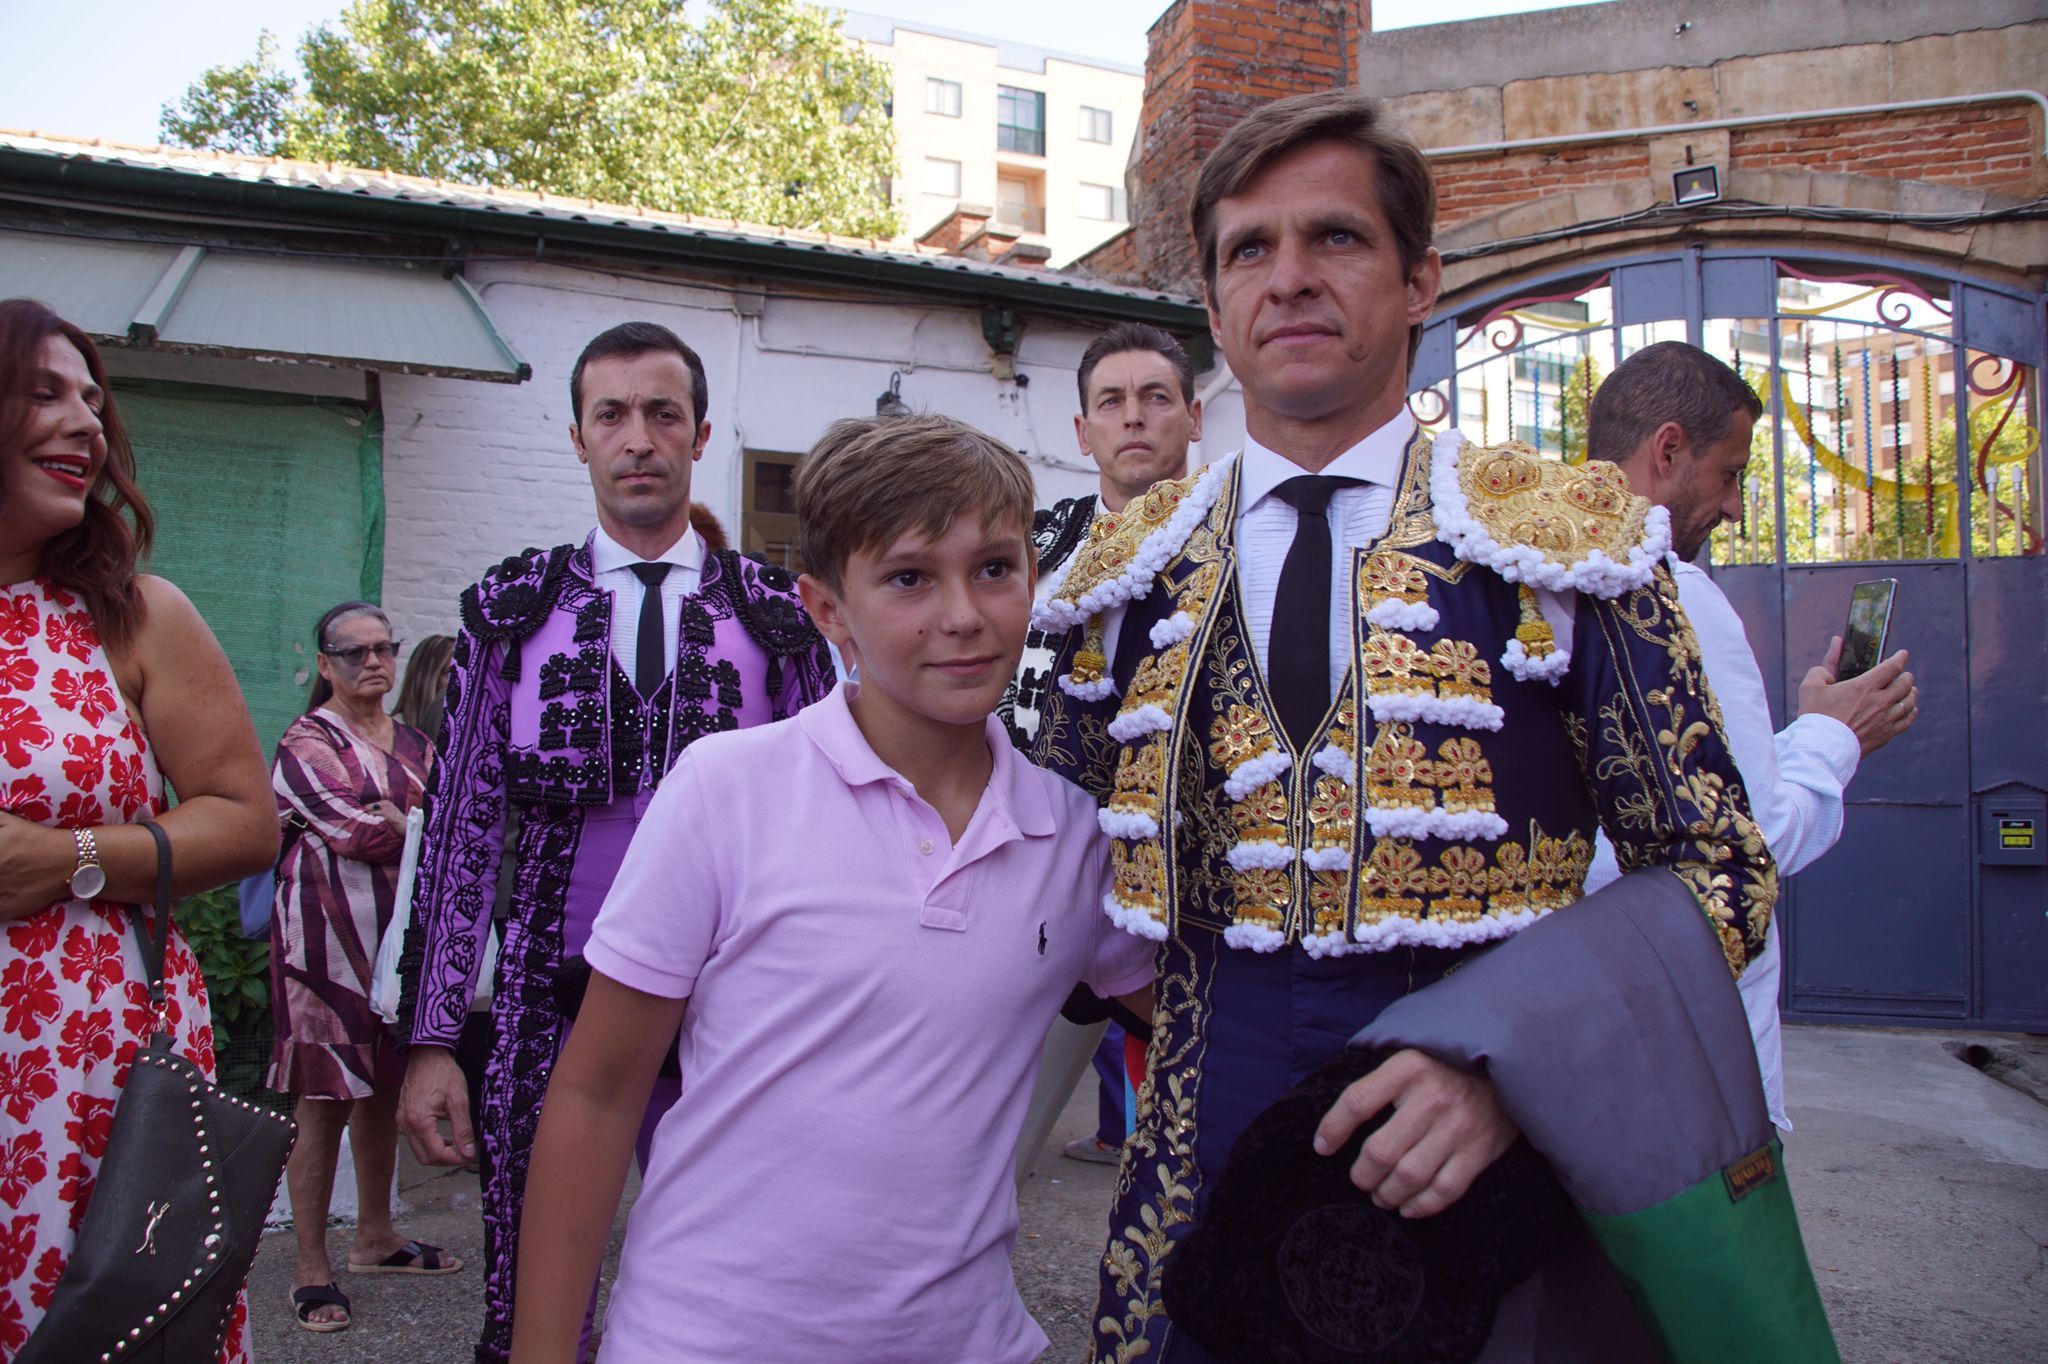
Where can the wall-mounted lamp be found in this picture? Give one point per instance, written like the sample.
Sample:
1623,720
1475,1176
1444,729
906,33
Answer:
891,403
1696,185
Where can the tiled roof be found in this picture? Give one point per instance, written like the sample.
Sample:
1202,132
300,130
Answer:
334,179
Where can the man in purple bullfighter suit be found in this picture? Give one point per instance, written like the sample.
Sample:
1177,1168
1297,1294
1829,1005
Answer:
580,674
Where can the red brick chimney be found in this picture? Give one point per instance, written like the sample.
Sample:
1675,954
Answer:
1208,63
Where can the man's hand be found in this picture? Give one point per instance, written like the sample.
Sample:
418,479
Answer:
1880,705
435,1089
1447,1128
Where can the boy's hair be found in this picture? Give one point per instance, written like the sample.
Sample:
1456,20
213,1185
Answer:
1129,336
869,480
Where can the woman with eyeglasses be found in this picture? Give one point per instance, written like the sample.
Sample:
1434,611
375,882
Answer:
349,773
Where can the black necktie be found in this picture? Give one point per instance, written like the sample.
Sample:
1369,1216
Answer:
1298,650
650,658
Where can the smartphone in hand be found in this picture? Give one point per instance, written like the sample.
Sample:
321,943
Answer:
1870,622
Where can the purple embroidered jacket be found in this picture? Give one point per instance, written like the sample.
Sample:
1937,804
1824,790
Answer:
541,716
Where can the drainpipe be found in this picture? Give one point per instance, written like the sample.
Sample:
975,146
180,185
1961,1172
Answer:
1747,121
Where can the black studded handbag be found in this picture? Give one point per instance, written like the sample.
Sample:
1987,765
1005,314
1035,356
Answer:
178,1205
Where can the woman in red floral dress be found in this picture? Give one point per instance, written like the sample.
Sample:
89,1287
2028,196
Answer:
109,684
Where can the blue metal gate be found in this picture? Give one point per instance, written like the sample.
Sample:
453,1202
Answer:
1901,440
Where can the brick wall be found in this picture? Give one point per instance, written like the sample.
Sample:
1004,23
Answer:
1116,260
1988,148
1473,188
1208,62
1211,61
475,471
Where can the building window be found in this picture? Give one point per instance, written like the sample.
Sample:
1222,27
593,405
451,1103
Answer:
1020,120
1095,124
942,177
768,519
1102,203
942,97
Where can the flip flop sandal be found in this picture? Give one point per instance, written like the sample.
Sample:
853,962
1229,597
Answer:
313,1295
414,1257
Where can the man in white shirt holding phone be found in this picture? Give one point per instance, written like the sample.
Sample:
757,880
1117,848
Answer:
1678,422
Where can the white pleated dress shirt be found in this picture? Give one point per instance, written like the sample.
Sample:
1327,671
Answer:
612,566
1794,779
1357,514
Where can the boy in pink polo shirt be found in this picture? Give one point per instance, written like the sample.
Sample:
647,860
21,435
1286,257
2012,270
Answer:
862,919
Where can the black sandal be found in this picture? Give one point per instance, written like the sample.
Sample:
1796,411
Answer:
313,1295
414,1257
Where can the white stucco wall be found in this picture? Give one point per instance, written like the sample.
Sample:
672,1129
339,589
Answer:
474,471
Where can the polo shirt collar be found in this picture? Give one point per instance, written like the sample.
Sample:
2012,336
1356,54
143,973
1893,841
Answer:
1376,459
1020,800
607,554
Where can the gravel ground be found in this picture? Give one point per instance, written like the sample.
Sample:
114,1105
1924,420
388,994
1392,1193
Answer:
1922,1185
409,1319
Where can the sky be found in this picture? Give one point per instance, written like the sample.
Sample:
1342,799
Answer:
106,68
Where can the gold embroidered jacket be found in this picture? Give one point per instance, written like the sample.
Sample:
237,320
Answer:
1520,671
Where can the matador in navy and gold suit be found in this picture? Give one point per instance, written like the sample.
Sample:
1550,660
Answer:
1520,675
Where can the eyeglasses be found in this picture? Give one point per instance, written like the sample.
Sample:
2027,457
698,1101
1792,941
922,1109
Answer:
354,655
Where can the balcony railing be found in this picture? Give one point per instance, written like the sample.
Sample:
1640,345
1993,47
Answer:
1030,217
1011,138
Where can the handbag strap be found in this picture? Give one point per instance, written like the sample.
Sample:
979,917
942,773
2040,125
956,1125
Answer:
153,946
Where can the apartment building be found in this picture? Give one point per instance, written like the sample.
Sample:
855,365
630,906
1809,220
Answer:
1040,137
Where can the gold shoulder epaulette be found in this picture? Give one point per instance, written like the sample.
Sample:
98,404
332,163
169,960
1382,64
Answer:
1126,549
1543,522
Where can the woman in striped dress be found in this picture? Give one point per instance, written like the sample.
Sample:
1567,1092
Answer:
346,775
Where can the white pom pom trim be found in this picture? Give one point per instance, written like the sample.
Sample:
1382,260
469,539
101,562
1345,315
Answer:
1550,668
1596,573
1392,613
1097,690
1463,711
1138,922
1172,630
1257,937
1320,945
1333,761
1407,821
1327,859
1131,824
1263,854
1135,724
1249,775
1056,613
1394,931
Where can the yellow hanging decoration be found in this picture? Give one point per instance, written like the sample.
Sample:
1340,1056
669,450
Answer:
1538,640
1848,475
1090,663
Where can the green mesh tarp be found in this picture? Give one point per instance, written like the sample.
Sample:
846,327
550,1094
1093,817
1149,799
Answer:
269,509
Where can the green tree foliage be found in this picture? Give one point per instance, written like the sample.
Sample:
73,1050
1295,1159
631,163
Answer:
237,973
1894,528
242,108
1575,399
763,111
